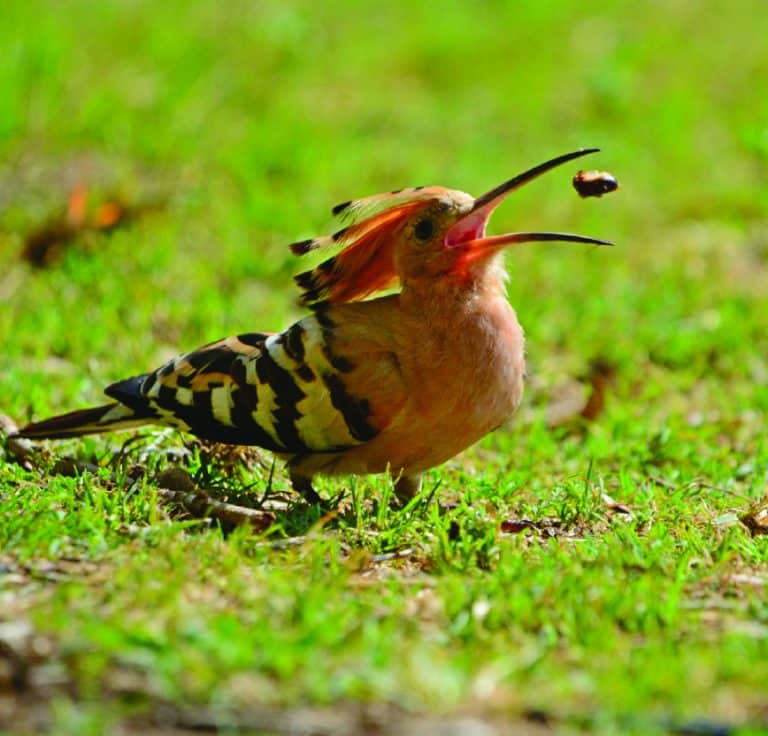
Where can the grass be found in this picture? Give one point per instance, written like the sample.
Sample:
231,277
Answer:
247,122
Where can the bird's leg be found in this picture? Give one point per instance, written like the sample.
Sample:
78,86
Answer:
406,487
302,484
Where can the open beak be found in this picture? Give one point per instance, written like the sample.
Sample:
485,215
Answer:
469,231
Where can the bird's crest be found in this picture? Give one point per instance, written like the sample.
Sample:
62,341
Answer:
366,263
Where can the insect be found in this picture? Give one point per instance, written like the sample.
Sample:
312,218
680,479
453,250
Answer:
594,183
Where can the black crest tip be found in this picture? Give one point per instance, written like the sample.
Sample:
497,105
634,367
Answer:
339,234
302,247
339,208
312,296
305,280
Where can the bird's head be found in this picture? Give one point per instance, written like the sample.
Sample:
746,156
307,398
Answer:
416,234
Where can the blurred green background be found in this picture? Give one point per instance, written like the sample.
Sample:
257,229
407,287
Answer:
252,119
229,130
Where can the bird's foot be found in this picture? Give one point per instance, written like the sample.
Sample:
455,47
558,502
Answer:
407,487
303,486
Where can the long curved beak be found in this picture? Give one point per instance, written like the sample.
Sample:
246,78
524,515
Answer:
469,231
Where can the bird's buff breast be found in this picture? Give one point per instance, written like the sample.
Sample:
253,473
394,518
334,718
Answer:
465,378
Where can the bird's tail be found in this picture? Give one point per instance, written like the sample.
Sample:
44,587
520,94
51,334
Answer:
107,418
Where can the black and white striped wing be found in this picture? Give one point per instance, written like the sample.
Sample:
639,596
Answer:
288,392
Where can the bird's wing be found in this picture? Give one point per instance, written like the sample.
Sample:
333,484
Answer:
311,388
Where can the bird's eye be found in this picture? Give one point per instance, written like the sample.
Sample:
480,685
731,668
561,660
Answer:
424,229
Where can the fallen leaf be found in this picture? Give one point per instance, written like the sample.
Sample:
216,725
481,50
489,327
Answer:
515,526
756,519
176,479
45,245
77,207
109,215
614,505
600,377
70,467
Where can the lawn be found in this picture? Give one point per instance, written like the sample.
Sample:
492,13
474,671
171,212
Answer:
598,565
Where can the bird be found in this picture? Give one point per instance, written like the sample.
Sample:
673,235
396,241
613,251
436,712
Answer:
368,382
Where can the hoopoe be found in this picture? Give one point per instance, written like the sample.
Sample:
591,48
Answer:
399,383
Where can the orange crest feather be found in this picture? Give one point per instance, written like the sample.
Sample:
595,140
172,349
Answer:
367,264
